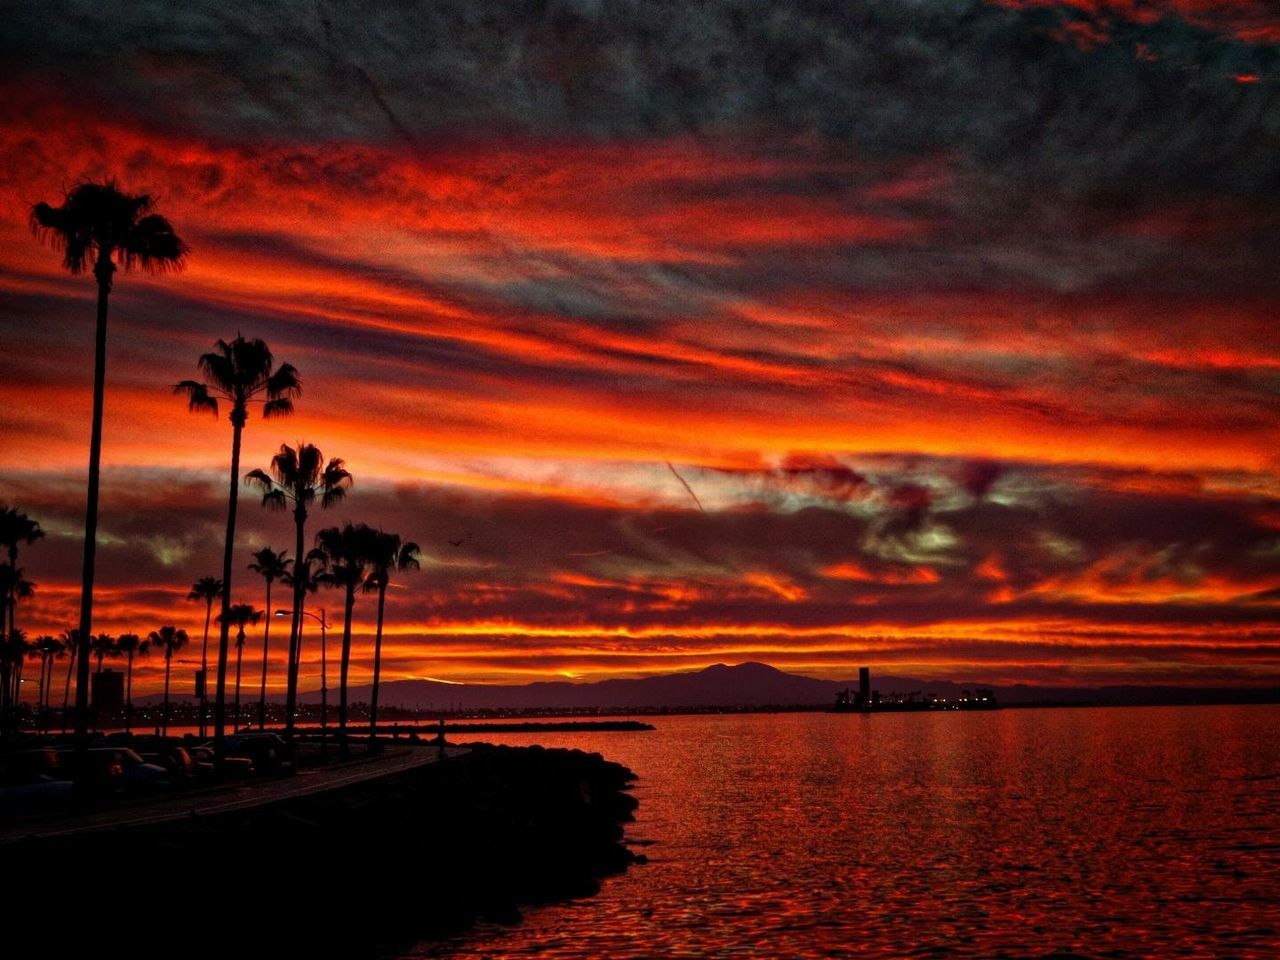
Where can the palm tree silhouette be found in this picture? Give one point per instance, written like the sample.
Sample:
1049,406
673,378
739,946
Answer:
241,372
102,646
303,580
16,528
345,554
15,651
298,475
49,648
71,644
98,227
169,639
207,589
130,645
387,553
271,566
13,586
240,616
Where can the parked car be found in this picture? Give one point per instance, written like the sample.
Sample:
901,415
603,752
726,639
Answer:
177,759
270,753
33,781
118,769
231,766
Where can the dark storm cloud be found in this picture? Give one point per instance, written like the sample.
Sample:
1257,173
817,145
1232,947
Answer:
997,87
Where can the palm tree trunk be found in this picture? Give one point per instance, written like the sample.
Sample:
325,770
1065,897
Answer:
346,663
204,670
164,717
48,682
4,663
239,659
377,667
102,271
128,693
224,633
66,691
266,641
295,628
44,660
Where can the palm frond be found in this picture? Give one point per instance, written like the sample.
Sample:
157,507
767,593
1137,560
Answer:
219,366
284,382
153,245
198,396
334,481
280,407
408,557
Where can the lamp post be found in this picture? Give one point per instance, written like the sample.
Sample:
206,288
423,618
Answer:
324,670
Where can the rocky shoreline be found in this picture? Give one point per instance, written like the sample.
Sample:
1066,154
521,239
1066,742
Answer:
365,870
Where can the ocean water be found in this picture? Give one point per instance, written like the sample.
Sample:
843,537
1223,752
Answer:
1108,833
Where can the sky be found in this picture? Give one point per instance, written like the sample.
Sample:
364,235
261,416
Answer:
935,335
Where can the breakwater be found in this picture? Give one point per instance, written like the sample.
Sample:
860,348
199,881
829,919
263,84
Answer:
360,871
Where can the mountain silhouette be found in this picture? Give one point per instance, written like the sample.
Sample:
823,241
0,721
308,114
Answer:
744,685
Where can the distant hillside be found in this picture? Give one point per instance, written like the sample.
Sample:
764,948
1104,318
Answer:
744,685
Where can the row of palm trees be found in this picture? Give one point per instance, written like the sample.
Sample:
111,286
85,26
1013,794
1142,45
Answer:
102,229
16,531
348,557
351,557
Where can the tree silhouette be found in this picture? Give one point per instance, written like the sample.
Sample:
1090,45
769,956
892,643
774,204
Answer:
71,643
103,646
241,372
387,553
298,475
240,616
170,640
345,553
130,645
97,227
271,566
14,650
13,586
207,589
16,528
50,648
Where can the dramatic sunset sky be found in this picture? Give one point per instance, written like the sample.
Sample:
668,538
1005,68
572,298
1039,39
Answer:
958,319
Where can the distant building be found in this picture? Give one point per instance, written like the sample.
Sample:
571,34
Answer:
108,691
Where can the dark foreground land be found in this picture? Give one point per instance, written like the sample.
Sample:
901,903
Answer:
364,870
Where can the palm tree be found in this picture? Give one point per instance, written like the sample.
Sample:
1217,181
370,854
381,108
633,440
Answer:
345,552
241,372
169,639
102,646
16,528
49,648
14,651
240,616
387,553
98,227
303,580
130,645
71,643
298,474
271,566
207,589
13,585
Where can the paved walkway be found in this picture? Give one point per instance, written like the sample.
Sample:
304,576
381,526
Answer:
232,798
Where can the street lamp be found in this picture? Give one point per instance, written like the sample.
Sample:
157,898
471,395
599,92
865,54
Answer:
324,668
